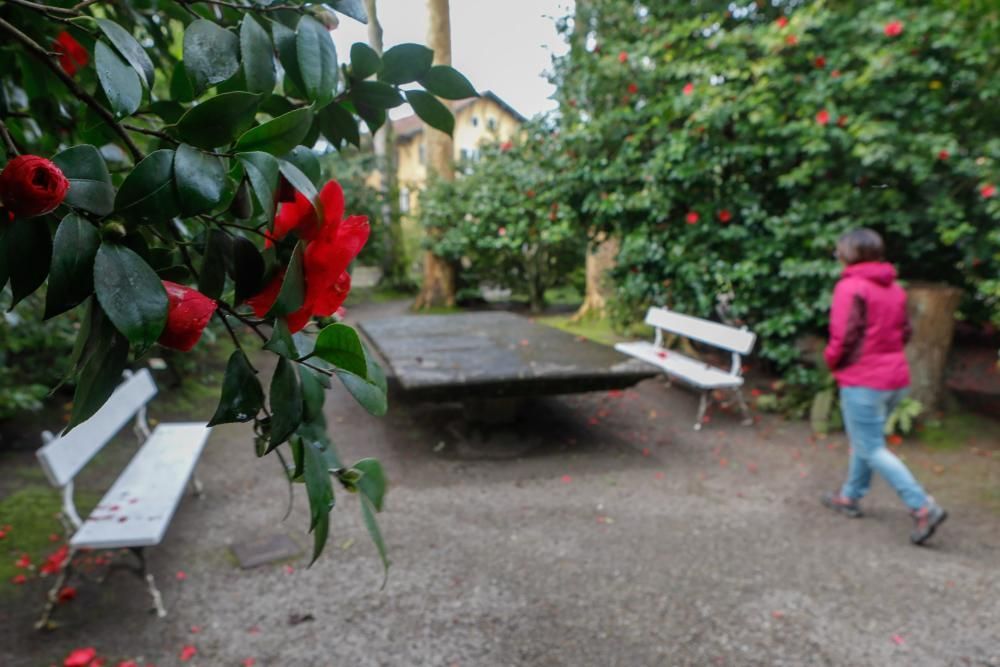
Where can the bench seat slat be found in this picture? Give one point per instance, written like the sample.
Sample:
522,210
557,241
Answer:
137,509
740,341
696,372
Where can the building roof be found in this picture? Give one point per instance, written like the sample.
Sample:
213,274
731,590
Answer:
410,126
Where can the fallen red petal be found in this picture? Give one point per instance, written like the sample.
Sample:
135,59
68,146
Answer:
181,575
566,479
187,653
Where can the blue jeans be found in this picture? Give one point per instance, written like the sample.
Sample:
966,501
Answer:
865,412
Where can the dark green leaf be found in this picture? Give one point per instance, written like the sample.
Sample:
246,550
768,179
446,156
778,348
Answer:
168,110
431,111
181,89
313,395
405,63
353,8
371,523
298,180
29,251
262,171
375,94
281,342
218,120
71,279
242,396
258,56
212,277
286,403
307,162
4,270
317,58
241,207
293,288
364,61
298,457
202,182
120,82
374,118
247,268
211,54
131,294
338,125
285,43
147,193
447,82
90,186
130,49
100,375
371,397
277,136
372,484
339,345
319,488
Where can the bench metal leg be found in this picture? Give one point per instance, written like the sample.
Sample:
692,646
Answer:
147,576
702,408
53,597
744,410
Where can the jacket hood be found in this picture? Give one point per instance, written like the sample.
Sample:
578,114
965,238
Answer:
881,273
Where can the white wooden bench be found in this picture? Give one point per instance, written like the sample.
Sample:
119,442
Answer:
136,510
702,376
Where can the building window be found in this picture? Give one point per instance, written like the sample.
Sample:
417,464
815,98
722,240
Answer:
423,153
463,154
404,200
491,123
475,121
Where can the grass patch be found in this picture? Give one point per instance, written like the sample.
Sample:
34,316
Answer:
33,515
362,295
599,331
959,429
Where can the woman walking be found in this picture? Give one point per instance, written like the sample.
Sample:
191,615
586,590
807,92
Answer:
868,330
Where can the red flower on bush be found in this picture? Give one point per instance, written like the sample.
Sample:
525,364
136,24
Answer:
80,657
791,40
633,88
692,217
893,29
823,117
188,313
820,62
782,21
506,146
943,155
623,57
988,190
841,121
330,248
31,185
689,88
72,56
725,215
835,74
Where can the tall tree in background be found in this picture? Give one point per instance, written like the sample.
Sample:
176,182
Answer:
393,258
438,287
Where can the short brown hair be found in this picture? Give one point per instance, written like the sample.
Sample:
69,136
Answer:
860,245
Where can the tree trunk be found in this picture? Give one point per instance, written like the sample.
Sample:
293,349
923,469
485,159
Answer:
932,315
438,288
599,289
393,260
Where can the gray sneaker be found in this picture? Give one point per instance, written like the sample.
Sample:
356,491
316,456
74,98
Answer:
926,520
841,504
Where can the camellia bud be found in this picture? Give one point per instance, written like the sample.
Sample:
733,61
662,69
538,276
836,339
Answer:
31,185
188,313
113,231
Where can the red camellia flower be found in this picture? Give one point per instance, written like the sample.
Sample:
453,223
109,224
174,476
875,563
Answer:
841,121
782,21
725,215
943,155
689,88
835,74
623,57
691,217
893,29
72,56
31,185
81,657
823,117
988,190
188,313
633,88
791,40
820,62
55,561
66,593
330,248
506,146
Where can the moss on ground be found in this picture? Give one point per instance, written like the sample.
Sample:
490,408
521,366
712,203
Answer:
597,330
956,430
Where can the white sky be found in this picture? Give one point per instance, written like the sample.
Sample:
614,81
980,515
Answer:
500,45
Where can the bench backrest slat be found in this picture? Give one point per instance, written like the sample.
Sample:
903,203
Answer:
739,341
65,456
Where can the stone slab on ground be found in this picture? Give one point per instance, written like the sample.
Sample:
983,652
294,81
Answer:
265,549
495,354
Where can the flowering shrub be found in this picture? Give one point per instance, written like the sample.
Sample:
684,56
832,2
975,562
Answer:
760,133
158,173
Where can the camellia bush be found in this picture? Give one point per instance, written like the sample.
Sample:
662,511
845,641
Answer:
729,145
159,173
507,217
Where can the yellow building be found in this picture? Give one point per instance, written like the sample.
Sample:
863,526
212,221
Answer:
478,120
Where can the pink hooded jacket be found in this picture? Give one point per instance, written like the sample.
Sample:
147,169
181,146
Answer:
868,329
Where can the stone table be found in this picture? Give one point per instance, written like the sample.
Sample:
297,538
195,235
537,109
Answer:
491,355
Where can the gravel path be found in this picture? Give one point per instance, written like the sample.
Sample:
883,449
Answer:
598,530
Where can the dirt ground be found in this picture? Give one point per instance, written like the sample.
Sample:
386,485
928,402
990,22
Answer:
598,529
